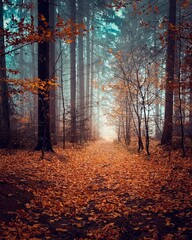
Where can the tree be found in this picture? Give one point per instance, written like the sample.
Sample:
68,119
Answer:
4,101
168,117
52,70
88,45
44,138
73,76
81,74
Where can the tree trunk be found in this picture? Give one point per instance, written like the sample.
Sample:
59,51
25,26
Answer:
81,73
44,138
127,121
21,67
98,106
62,96
52,67
73,76
168,118
88,44
156,79
92,78
4,100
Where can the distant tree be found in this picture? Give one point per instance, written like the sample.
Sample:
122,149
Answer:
73,76
81,75
52,72
88,64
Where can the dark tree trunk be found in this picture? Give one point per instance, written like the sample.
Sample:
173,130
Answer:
4,100
73,76
44,138
168,118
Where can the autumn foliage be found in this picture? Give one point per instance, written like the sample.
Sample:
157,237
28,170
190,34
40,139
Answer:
100,191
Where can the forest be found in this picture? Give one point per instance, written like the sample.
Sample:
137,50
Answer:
96,119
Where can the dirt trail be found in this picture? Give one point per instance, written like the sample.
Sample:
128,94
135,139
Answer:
100,191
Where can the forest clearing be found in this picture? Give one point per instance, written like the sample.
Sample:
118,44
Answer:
99,191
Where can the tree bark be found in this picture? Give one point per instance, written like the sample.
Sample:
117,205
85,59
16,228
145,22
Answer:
73,76
127,120
52,67
88,45
81,74
4,100
168,117
44,137
92,76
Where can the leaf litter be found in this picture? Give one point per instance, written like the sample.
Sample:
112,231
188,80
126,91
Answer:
100,191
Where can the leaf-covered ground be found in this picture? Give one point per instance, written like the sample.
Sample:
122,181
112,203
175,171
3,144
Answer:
100,191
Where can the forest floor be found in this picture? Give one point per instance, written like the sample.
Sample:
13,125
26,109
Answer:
99,191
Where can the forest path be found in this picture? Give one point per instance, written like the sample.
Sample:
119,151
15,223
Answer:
99,191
